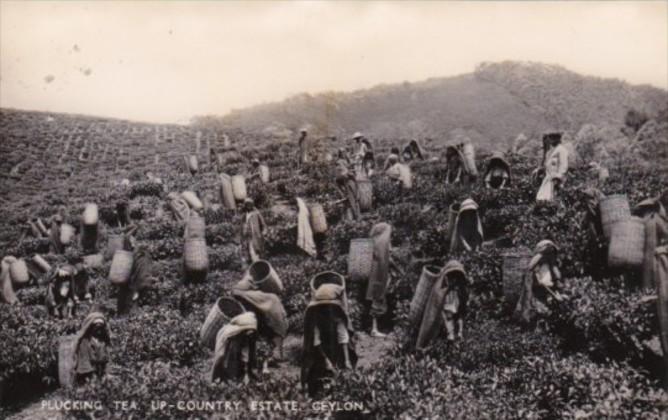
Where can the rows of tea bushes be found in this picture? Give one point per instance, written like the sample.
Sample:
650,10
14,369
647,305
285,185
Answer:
590,359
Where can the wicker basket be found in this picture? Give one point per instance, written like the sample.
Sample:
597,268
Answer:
196,227
221,313
431,319
264,174
193,165
114,243
90,214
239,187
318,218
18,270
365,194
42,263
469,158
66,368
326,277
627,243
195,255
514,268
264,277
226,192
360,258
121,267
613,209
67,232
192,200
427,280
93,261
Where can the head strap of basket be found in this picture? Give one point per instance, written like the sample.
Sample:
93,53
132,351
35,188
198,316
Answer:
454,266
327,277
544,246
329,293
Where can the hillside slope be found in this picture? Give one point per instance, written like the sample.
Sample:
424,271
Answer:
497,101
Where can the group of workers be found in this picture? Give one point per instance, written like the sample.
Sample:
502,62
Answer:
328,335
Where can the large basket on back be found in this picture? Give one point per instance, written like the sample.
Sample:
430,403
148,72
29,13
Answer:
360,258
326,277
365,194
121,267
195,255
226,192
220,313
263,276
264,174
515,267
430,274
18,270
66,360
193,164
239,187
192,200
67,232
613,209
431,319
195,227
90,214
41,263
318,218
627,243
469,158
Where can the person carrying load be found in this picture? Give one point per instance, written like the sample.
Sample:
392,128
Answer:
347,185
456,300
391,159
540,284
555,166
379,277
412,150
7,294
234,355
252,233
92,348
60,293
497,175
141,275
56,246
467,234
595,260
179,207
270,313
364,153
327,342
457,170
303,142
400,172
655,217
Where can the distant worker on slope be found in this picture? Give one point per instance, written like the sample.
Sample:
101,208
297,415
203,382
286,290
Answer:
303,147
555,166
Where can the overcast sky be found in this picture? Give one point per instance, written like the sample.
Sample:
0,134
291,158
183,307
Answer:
169,61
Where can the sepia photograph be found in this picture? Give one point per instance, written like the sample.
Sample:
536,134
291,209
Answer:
319,209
